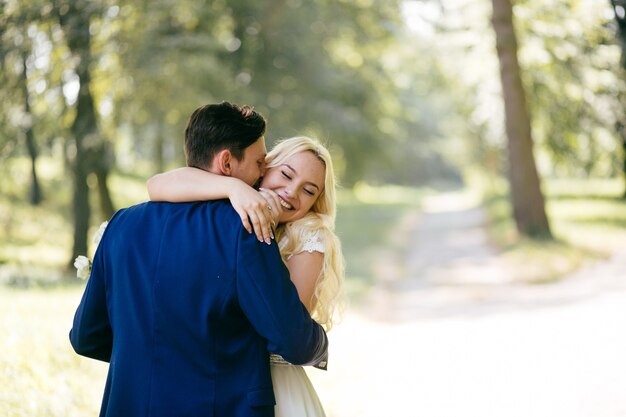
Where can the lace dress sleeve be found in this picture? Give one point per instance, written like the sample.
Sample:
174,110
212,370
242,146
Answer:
314,243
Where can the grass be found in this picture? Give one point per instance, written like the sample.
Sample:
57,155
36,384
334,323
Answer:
40,374
373,223
587,219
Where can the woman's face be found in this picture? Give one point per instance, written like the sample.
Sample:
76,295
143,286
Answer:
298,181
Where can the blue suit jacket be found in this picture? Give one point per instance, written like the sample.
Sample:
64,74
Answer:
185,304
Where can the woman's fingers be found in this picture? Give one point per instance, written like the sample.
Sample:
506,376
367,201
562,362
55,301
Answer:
254,211
273,202
261,224
243,215
258,213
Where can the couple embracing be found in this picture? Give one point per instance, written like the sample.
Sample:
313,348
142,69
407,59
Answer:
206,300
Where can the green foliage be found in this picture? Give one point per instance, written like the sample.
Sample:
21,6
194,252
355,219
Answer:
394,105
347,72
340,71
570,62
30,41
575,83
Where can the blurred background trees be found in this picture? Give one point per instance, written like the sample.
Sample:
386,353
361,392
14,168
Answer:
404,92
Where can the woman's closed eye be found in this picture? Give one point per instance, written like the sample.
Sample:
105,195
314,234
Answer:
309,188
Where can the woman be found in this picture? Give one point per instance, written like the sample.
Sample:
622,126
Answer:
298,191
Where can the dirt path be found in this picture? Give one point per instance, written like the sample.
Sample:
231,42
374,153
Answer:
454,336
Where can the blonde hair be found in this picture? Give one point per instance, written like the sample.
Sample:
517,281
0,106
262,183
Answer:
320,219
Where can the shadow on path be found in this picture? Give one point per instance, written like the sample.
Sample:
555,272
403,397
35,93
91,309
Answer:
451,269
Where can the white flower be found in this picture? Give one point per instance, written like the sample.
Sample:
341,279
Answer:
99,233
83,267
83,263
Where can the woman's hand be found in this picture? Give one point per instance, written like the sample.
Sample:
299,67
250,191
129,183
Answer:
193,184
255,211
273,202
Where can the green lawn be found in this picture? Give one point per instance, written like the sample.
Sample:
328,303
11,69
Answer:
587,218
40,375
373,222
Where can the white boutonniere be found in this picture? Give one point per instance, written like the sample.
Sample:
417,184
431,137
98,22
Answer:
99,233
83,267
83,263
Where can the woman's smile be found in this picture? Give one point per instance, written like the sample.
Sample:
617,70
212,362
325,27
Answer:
298,181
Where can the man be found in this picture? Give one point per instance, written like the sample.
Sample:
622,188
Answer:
185,304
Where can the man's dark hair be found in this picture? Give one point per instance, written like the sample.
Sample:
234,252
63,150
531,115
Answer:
215,127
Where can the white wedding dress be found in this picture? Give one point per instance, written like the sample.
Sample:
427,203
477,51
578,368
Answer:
295,395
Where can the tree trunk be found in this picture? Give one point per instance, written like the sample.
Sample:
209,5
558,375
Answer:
75,23
81,129
80,205
35,194
619,7
621,132
101,157
527,199
624,164
102,174
92,151
159,150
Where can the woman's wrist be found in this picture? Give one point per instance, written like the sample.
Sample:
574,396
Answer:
233,187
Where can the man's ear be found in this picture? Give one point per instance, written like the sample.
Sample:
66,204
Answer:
223,162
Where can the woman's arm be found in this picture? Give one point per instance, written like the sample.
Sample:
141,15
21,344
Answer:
193,184
304,269
190,184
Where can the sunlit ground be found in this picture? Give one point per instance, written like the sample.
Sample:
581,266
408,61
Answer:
564,360
452,338
39,373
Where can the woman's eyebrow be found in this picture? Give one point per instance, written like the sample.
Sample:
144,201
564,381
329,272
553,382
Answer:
295,172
